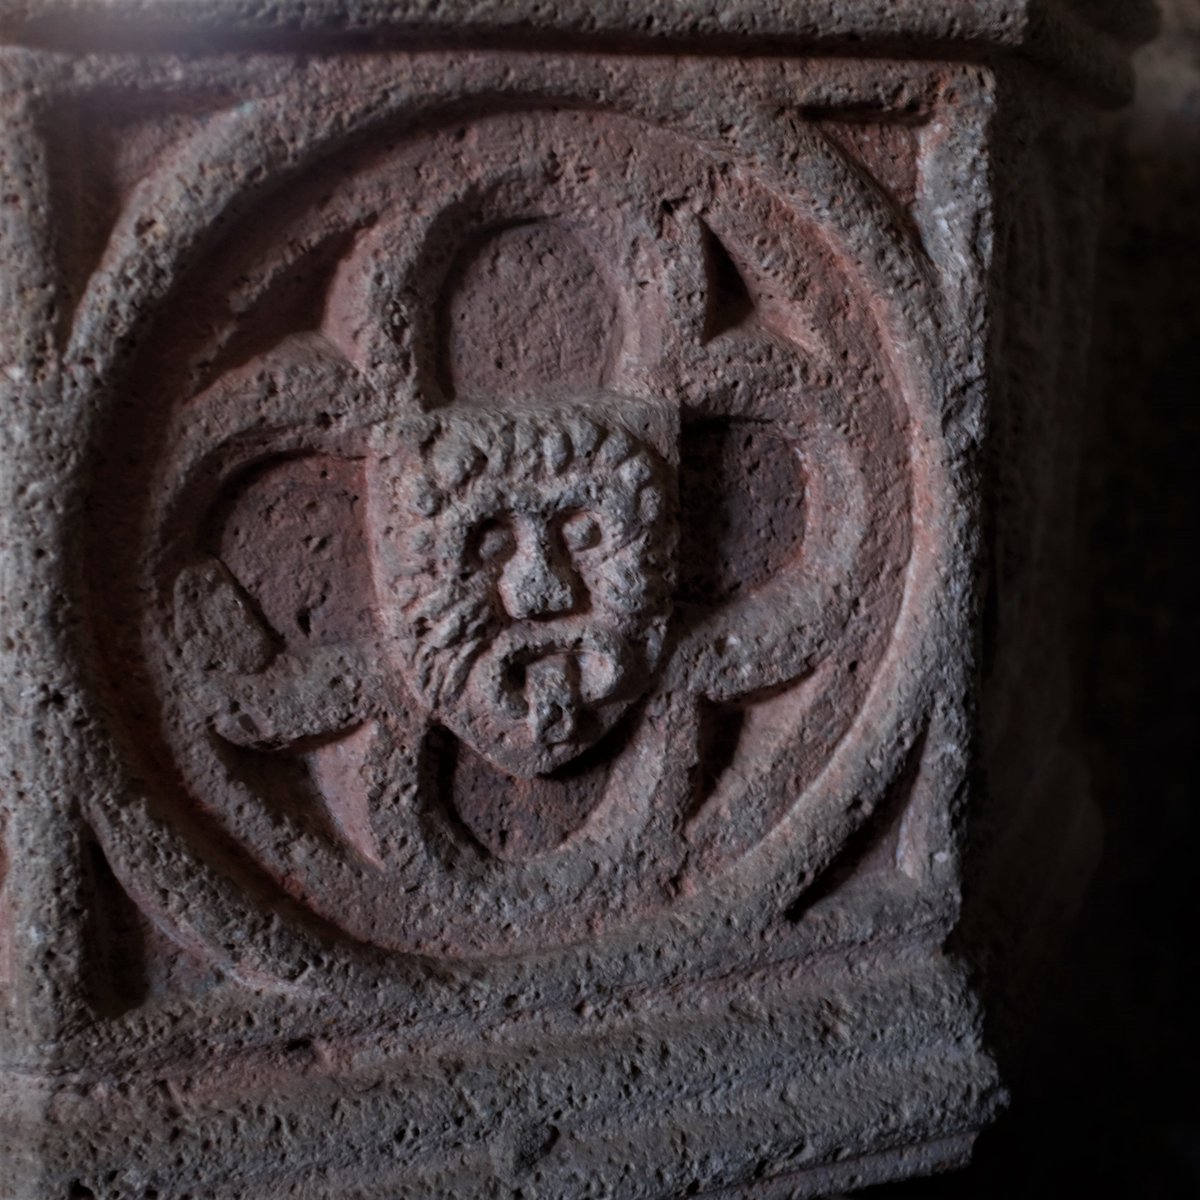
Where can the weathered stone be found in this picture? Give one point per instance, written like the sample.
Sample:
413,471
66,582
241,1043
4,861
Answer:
506,548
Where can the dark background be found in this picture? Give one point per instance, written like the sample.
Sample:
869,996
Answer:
1106,1101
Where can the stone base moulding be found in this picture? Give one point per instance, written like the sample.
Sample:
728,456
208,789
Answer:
532,552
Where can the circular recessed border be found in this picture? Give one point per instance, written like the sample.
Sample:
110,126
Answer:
184,888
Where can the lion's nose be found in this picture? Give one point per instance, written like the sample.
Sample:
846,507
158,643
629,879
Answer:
535,583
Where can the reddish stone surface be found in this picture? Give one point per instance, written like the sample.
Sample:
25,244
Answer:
503,689
339,575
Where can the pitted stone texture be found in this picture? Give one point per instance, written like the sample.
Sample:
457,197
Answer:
495,617
527,574
1086,40
395,569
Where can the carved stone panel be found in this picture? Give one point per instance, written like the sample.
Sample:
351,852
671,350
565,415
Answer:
504,619
519,588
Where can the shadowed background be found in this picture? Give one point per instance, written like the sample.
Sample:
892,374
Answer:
1104,1103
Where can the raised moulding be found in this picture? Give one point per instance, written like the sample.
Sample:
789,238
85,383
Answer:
497,595
409,627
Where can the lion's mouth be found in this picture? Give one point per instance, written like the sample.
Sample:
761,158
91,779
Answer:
546,680
548,688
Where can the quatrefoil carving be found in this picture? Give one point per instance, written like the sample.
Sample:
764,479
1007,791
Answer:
544,566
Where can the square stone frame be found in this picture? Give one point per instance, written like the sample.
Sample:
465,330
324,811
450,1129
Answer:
794,1031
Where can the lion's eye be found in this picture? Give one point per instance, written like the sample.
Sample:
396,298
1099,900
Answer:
494,542
581,531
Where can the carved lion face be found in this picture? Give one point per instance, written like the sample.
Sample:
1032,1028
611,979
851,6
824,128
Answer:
525,566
